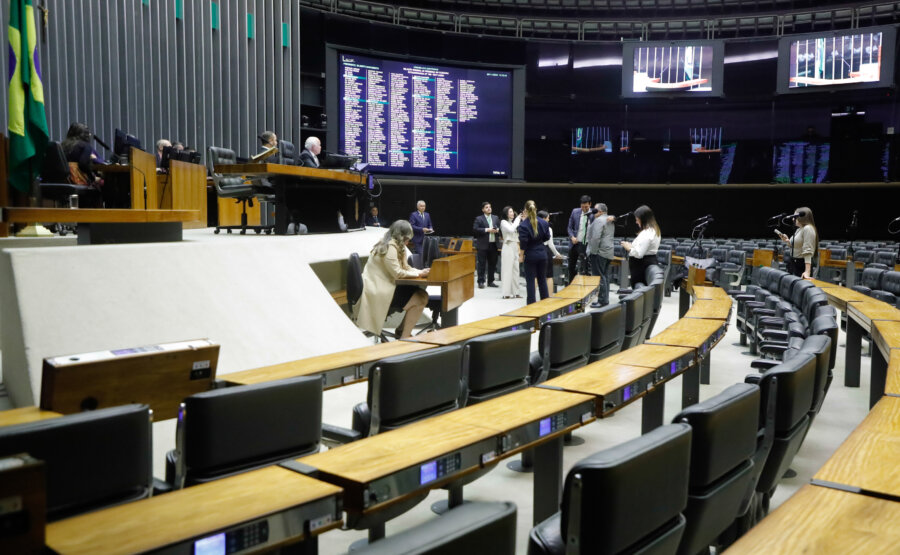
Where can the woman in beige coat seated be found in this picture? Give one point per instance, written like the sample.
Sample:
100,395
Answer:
387,263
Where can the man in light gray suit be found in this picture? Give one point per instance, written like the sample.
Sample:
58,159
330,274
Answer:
600,250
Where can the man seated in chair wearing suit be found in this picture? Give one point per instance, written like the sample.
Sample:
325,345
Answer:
311,150
487,232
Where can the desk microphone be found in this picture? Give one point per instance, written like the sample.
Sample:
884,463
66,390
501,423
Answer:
625,215
555,213
701,218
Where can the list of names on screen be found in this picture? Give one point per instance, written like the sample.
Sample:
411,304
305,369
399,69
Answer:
412,117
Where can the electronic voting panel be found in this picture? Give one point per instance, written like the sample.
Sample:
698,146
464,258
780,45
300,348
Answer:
665,363
701,334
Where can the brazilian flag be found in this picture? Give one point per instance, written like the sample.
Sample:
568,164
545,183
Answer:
28,134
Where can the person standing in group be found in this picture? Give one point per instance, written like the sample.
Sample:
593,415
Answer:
550,249
600,251
533,232
387,263
579,221
642,252
486,229
509,254
804,243
420,220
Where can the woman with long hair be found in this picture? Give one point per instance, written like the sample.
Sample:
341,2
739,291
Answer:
533,232
804,243
80,155
642,252
509,254
387,263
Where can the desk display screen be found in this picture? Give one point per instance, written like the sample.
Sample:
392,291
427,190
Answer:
545,427
673,368
428,473
213,545
835,60
626,393
673,68
422,118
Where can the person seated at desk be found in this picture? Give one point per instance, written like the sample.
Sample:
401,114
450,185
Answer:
388,263
373,219
81,156
160,146
177,146
311,150
268,139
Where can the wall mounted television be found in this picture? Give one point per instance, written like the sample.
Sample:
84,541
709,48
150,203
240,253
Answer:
673,68
426,118
837,60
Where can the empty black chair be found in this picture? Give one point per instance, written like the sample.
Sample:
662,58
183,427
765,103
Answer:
633,306
235,429
885,257
649,295
471,528
93,459
626,499
723,441
354,280
56,184
564,345
607,331
890,288
237,188
869,281
287,153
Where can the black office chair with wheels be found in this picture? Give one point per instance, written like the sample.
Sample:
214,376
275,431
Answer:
93,459
563,346
238,188
235,429
402,390
723,441
56,185
288,153
493,365
607,331
625,499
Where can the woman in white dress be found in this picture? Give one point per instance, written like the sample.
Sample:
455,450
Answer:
509,255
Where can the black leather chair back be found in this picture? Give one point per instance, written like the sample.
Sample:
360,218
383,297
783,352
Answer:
633,305
799,291
786,286
56,166
723,441
218,155
570,341
413,386
838,253
287,153
354,279
820,346
235,429
890,282
864,256
497,364
649,294
719,253
828,326
737,257
871,278
888,258
607,331
93,459
618,497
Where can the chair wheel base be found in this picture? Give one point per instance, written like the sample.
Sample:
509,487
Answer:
358,544
517,466
791,473
570,440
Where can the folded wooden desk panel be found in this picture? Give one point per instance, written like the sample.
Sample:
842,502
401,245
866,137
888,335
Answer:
838,297
23,415
822,284
613,384
580,293
710,309
825,521
341,368
501,323
709,292
886,336
865,312
271,506
393,465
868,459
590,281
892,386
447,336
692,332
667,359
546,309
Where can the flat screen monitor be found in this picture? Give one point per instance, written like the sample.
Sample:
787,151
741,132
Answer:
122,141
591,139
837,60
678,68
418,117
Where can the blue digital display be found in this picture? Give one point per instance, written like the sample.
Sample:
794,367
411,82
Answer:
212,545
545,427
703,349
673,368
428,473
626,394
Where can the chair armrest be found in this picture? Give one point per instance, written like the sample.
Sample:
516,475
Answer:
161,486
763,311
764,363
770,322
743,296
336,435
750,305
773,348
769,334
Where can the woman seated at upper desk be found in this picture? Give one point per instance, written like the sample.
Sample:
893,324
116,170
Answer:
80,156
388,263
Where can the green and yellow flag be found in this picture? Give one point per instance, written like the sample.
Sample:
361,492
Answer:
28,134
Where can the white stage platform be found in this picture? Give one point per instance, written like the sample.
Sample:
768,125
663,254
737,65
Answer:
255,295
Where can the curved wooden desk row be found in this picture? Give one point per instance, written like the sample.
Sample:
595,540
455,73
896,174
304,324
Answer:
853,502
375,472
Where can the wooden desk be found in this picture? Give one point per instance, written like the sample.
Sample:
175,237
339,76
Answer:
892,385
822,284
141,172
868,460
448,336
580,293
838,297
707,292
590,281
284,176
545,310
710,309
668,361
23,415
378,470
109,225
864,312
177,519
501,323
184,188
341,368
456,277
695,333
825,521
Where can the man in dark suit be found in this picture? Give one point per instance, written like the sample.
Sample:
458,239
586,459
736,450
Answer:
421,224
579,221
311,150
374,220
487,233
